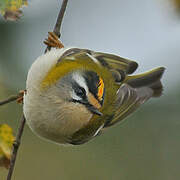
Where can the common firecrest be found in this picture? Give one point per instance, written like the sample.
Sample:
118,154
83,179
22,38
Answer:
74,94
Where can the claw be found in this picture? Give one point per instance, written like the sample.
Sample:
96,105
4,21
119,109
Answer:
21,96
53,41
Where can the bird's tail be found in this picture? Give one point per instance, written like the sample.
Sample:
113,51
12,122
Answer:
151,79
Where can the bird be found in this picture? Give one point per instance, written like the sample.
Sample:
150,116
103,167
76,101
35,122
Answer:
74,94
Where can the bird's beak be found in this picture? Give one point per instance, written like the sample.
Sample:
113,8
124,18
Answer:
90,107
94,110
93,105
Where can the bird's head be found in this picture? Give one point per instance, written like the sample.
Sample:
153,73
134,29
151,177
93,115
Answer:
82,87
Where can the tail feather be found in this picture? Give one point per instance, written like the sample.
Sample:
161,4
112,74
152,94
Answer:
157,88
149,79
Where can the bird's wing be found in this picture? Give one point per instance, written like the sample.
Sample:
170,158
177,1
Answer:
134,91
128,100
116,62
119,66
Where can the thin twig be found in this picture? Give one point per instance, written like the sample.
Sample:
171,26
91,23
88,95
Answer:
22,123
15,147
10,99
58,24
18,98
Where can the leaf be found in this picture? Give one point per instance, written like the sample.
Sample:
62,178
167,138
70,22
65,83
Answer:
6,144
10,9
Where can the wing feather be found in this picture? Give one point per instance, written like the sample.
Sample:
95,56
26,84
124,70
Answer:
116,62
118,66
128,100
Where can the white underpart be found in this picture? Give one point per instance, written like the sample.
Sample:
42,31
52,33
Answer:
46,113
42,65
93,58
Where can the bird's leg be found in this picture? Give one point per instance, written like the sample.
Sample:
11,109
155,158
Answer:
53,41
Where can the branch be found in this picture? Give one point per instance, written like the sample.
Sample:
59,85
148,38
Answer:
8,100
18,98
15,147
23,120
58,24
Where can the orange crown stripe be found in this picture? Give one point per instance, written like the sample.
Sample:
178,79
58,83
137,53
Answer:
100,89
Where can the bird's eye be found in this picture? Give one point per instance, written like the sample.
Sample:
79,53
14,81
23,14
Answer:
80,92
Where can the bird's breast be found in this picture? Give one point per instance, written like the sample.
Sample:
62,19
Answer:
72,117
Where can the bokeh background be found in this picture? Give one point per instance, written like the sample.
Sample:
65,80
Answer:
147,145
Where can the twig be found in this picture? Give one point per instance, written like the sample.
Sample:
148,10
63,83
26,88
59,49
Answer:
58,24
18,98
15,147
22,123
10,99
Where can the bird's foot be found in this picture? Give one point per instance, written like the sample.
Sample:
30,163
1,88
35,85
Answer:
53,41
21,96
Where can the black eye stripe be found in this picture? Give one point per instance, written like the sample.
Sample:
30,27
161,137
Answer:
92,83
80,91
92,80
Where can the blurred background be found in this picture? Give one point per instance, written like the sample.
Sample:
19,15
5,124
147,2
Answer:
144,147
